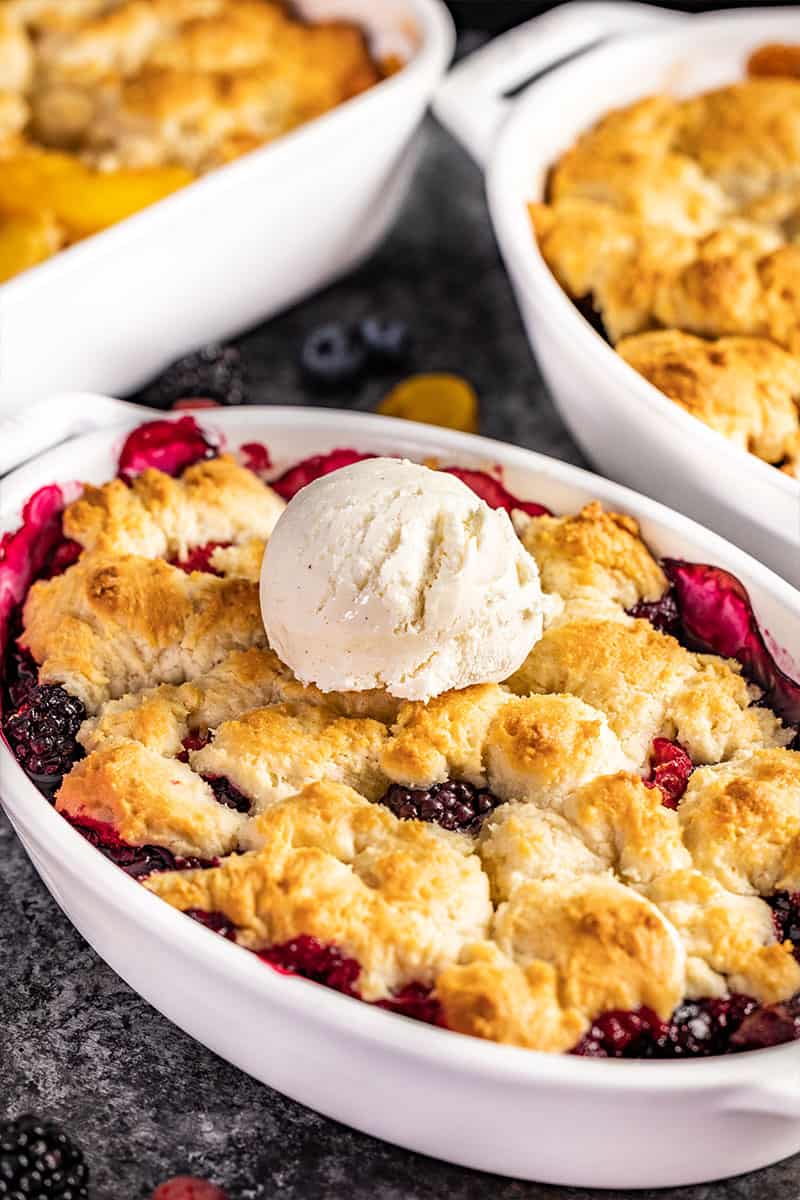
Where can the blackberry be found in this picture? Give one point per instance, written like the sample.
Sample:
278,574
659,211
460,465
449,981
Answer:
225,793
453,805
39,1162
214,373
43,729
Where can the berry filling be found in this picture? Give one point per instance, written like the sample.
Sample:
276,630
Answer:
620,1034
305,472
24,552
65,554
199,558
417,1001
709,610
43,729
786,918
217,922
21,674
309,958
771,1025
225,793
494,494
136,861
484,485
453,805
168,446
38,1160
697,1029
662,614
670,768
255,456
586,308
214,373
193,741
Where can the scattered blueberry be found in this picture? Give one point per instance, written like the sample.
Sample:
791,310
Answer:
39,1161
388,342
333,355
214,373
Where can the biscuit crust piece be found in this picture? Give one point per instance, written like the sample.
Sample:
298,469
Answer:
400,897
115,624
161,517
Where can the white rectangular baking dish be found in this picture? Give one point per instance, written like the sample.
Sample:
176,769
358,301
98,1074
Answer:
237,245
625,425
547,1117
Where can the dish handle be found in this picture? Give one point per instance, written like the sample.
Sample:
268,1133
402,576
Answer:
28,431
473,101
778,1098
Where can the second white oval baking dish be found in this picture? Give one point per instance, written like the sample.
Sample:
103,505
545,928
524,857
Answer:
237,245
629,429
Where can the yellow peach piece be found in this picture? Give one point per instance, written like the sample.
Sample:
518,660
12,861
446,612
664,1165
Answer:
83,200
438,399
26,241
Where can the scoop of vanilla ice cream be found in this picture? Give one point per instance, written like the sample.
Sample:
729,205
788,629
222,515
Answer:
390,575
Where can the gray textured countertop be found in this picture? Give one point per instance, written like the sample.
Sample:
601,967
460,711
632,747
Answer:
144,1100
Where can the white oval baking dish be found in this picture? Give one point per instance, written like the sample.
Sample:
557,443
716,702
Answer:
237,245
625,425
552,1118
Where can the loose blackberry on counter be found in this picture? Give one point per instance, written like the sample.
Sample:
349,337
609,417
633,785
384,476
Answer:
38,1161
216,372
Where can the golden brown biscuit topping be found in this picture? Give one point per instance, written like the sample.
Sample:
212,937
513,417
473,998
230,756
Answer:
678,220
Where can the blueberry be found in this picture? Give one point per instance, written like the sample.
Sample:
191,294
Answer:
333,355
388,342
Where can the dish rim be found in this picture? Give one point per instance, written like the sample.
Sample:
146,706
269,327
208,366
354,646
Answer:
441,1048
520,245
436,42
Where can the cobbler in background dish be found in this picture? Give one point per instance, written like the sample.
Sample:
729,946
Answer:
107,106
601,855
673,223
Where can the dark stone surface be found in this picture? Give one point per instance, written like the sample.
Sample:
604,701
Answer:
144,1100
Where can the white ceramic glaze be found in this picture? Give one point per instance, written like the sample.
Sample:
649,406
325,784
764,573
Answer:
551,1118
624,424
239,244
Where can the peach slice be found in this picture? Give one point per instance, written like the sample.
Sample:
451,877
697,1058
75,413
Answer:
26,241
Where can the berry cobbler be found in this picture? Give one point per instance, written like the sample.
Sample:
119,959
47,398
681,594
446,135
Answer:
589,844
673,224
107,106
